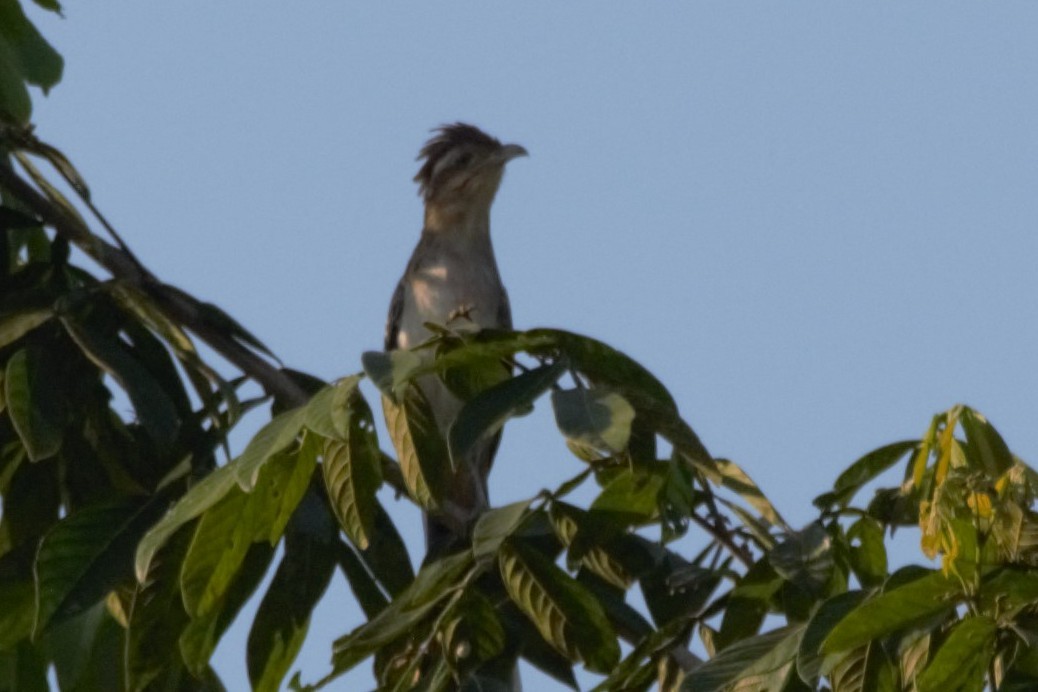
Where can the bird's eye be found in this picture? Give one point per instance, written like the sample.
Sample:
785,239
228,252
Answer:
464,159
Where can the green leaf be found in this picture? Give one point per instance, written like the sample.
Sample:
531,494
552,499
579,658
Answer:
209,491
864,470
564,612
86,555
224,323
51,5
424,459
15,325
868,554
353,474
804,558
24,56
488,411
387,556
631,497
593,417
38,62
763,662
495,525
34,403
894,610
23,667
1008,590
271,439
985,448
389,371
17,615
155,620
730,476
199,638
328,411
865,669
433,584
811,662
283,617
675,590
224,536
473,632
156,412
962,662
594,541
749,602
365,589
15,103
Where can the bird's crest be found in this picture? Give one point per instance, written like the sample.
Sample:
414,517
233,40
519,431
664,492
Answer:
449,139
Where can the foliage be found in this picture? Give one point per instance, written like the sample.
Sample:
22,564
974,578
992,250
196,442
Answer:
123,539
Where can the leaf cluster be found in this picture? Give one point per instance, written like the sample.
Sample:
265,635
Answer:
123,538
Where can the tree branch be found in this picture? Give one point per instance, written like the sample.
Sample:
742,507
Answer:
177,305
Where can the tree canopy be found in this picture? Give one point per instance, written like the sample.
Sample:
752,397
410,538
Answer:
137,538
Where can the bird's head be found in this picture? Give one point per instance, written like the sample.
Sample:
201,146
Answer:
462,168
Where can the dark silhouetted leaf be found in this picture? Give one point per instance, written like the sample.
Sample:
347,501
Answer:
34,404
485,414
406,611
864,470
86,555
495,525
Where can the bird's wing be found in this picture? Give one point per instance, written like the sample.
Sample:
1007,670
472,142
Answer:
504,311
396,311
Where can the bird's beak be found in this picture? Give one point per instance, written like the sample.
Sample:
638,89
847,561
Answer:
512,151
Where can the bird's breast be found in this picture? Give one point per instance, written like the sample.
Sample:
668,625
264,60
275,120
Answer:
458,297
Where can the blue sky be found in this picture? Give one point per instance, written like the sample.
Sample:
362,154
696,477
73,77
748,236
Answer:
815,222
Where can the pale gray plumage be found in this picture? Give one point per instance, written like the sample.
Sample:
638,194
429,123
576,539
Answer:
452,280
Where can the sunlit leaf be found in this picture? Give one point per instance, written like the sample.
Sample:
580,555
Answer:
961,664
352,473
328,411
632,497
984,445
893,610
227,530
199,639
424,459
201,497
593,417
762,662
565,614
271,439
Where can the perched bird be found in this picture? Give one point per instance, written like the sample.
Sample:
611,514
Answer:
452,280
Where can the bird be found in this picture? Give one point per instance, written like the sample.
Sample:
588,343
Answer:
452,280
